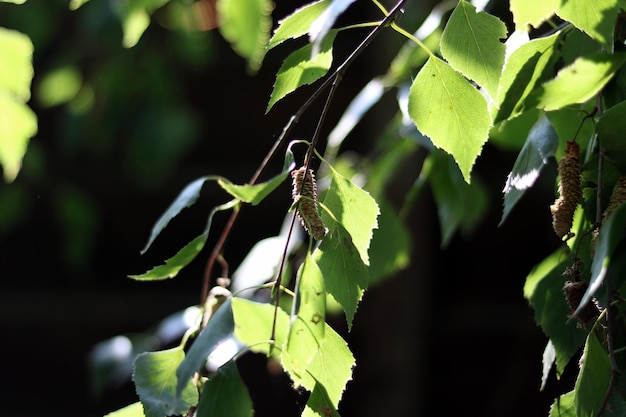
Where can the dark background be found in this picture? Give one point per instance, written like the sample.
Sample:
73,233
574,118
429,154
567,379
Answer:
452,333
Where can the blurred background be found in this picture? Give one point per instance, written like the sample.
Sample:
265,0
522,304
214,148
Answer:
123,130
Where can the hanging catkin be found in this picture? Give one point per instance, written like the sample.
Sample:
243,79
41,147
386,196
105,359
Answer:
304,186
618,196
570,192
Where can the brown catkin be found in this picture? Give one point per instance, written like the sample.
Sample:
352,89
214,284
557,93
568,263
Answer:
618,196
570,192
305,186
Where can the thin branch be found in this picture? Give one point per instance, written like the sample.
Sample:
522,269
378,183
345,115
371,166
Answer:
219,246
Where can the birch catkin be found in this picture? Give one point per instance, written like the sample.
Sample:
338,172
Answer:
570,192
618,196
305,186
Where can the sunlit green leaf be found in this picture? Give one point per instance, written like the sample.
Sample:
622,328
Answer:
174,264
254,194
578,82
595,18
319,405
225,394
522,71
611,233
451,112
610,128
298,23
354,209
132,410
544,291
540,146
564,406
220,327
301,69
75,4
16,67
155,381
307,329
593,380
185,255
532,12
548,359
471,45
345,273
246,24
331,368
59,86
254,324
18,123
321,27
14,1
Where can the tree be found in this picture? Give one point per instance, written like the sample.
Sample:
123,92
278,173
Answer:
556,81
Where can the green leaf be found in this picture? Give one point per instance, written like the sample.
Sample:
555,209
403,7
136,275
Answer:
459,204
611,233
75,4
254,194
610,128
331,368
185,255
225,394
595,18
246,24
449,110
532,12
298,23
135,17
471,45
173,265
220,327
391,244
14,1
307,329
185,199
59,86
540,146
523,70
318,404
301,69
564,406
548,358
18,123
332,365
593,380
16,66
254,324
132,410
544,291
345,273
578,82
156,382
320,28
354,209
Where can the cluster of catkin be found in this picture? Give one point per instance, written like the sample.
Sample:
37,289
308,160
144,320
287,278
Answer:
570,191
304,194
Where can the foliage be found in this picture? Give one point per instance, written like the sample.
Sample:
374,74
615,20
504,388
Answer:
460,85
